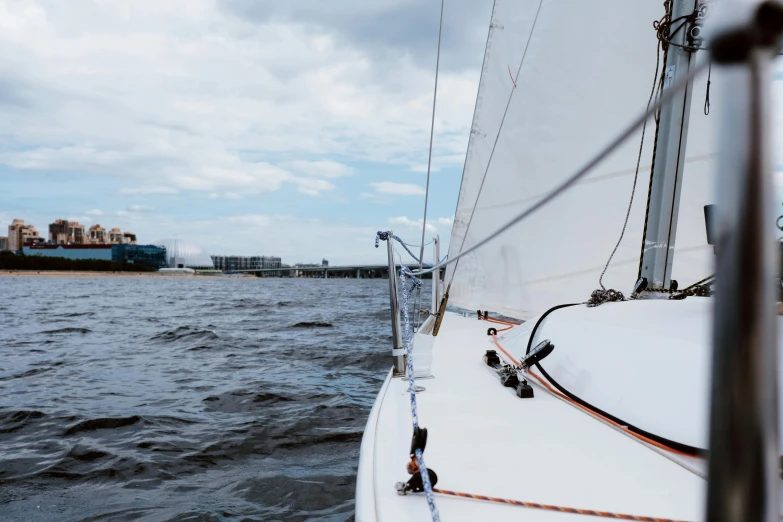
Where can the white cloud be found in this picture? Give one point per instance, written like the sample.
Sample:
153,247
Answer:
140,208
375,198
296,240
148,190
179,95
399,189
440,162
313,187
407,222
321,169
446,221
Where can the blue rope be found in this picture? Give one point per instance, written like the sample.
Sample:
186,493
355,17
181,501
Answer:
407,337
384,236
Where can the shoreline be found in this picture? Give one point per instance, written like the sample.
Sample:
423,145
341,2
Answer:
77,273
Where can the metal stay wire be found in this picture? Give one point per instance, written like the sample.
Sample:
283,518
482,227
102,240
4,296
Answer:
429,157
635,124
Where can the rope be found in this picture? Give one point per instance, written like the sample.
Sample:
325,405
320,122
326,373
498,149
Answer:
549,507
621,426
497,138
665,97
707,97
407,337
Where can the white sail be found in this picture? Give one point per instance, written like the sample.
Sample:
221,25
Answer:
588,70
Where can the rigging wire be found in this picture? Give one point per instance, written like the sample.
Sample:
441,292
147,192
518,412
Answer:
515,81
432,136
429,156
638,164
636,123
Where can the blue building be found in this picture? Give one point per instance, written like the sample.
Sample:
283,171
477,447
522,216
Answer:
100,252
149,255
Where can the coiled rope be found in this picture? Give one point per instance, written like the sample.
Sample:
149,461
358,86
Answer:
407,338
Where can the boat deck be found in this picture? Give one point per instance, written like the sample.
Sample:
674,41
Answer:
484,440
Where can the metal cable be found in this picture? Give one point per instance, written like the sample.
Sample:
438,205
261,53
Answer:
638,164
514,80
636,123
432,138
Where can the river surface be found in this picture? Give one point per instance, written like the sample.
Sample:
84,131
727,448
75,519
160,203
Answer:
198,399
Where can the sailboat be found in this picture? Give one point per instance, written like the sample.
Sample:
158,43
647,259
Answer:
584,361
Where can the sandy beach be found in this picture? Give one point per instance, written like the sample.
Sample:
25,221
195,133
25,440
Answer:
62,273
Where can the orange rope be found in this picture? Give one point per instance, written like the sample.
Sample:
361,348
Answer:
588,410
500,321
548,507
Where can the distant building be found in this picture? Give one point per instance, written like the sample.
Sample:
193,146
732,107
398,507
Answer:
143,254
149,255
183,254
98,235
115,236
233,263
64,232
101,252
128,238
324,262
3,243
20,234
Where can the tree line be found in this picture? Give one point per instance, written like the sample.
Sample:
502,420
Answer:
11,261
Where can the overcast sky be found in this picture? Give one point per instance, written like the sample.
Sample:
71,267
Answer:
294,128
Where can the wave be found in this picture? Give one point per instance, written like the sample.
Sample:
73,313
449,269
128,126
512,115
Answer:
68,330
102,424
316,324
186,332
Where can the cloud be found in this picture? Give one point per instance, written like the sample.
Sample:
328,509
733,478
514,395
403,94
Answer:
94,212
140,208
407,222
321,169
375,198
196,95
440,162
446,221
398,189
148,191
313,187
225,195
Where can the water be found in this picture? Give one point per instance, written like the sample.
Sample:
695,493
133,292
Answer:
186,399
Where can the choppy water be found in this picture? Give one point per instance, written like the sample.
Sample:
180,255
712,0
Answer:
186,399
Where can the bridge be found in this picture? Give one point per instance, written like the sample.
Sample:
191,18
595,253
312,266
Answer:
327,272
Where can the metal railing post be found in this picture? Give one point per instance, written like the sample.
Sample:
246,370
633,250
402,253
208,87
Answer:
743,467
398,351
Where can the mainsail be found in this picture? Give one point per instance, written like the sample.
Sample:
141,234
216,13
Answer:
585,70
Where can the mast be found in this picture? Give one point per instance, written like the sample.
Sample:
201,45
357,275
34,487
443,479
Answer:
666,181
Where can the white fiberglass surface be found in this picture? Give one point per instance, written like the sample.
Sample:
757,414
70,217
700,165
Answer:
484,440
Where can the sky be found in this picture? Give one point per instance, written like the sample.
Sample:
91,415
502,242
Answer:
252,127
295,128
